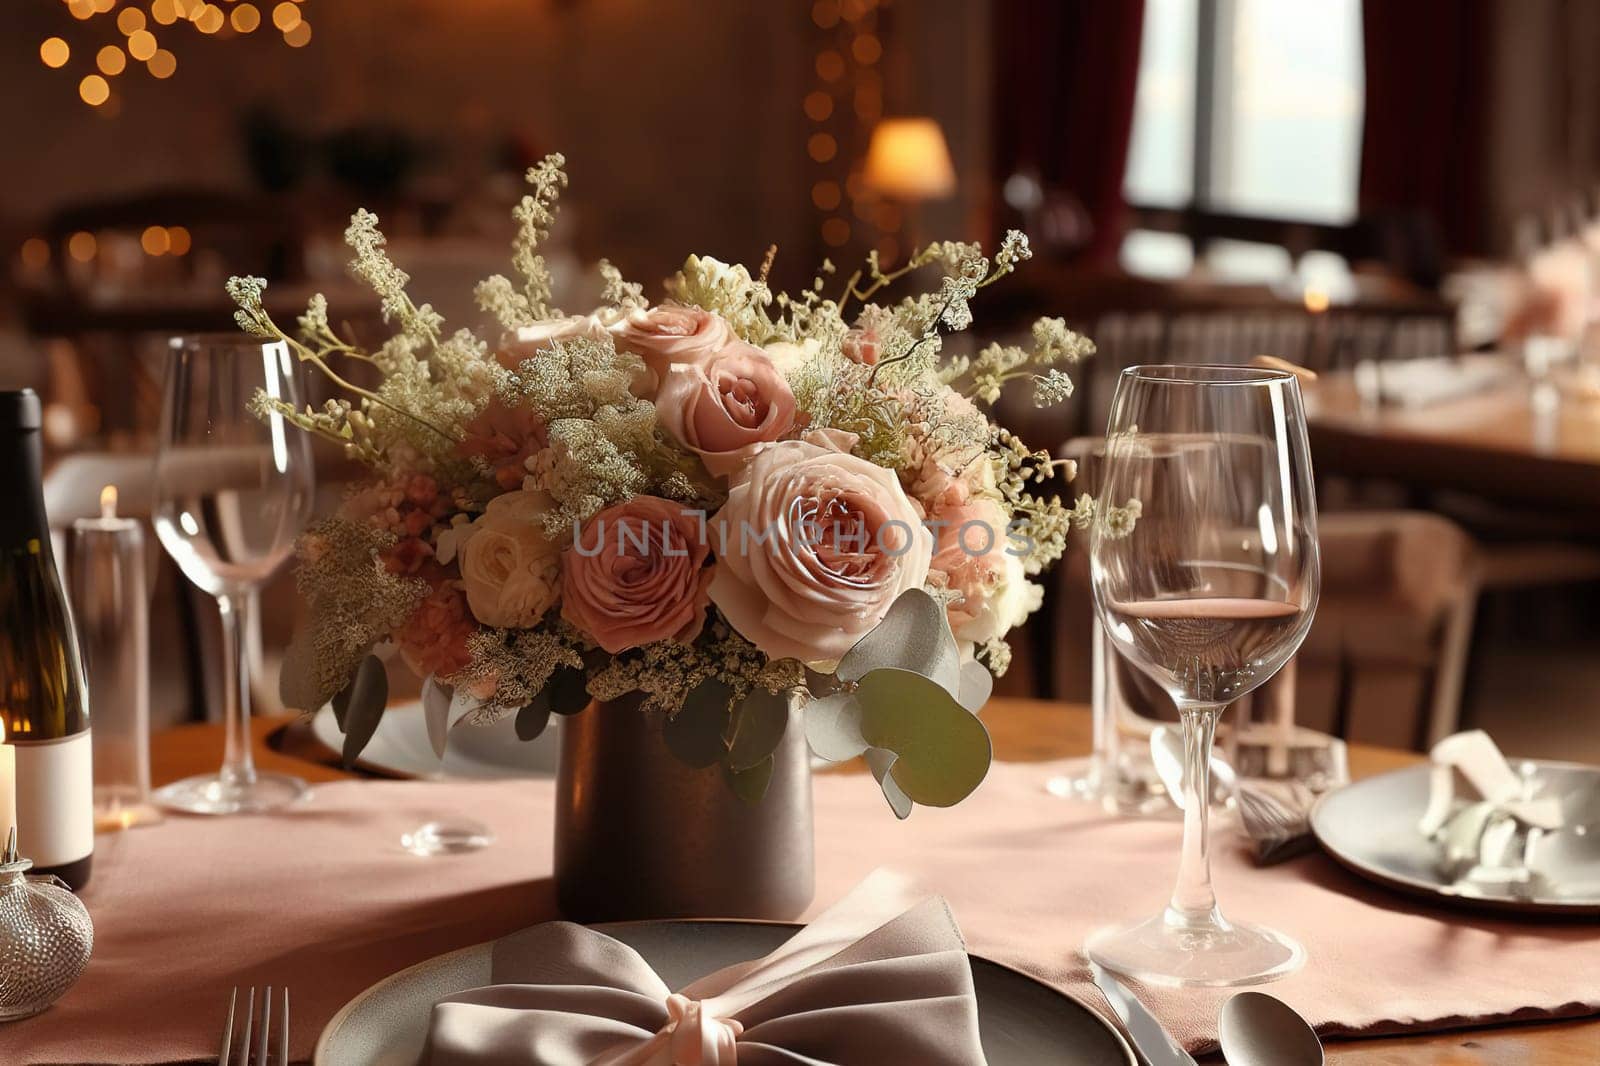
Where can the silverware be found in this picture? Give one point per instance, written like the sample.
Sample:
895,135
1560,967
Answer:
1261,1030
258,1026
1151,1039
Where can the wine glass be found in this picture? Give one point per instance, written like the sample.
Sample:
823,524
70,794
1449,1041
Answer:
1209,594
233,488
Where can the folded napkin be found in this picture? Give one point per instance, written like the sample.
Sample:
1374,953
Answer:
1423,382
1485,817
870,981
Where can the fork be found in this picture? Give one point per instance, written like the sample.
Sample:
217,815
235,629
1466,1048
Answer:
258,1025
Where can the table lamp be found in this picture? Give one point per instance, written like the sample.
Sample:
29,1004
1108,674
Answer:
908,161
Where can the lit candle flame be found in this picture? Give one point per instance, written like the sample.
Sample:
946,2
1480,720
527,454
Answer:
1316,299
108,502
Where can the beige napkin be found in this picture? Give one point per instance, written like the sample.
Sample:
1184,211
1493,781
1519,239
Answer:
867,982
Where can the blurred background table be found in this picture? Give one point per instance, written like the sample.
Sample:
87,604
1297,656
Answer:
1023,731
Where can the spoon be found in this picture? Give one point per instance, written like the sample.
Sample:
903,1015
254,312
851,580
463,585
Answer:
1259,1030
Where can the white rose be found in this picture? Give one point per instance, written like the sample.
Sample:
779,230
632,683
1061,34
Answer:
1008,604
530,340
511,571
788,356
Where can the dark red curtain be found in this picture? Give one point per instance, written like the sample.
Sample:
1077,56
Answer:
1424,143
1065,72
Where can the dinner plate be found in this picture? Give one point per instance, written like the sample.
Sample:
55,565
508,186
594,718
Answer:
1371,828
400,747
1023,1022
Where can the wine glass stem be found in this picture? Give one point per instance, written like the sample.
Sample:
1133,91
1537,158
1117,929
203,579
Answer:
1193,901
238,766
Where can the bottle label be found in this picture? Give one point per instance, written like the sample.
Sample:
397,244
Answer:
55,799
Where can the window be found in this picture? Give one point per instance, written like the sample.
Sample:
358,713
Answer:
1248,110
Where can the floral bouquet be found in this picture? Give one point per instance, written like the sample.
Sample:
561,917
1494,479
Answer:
723,501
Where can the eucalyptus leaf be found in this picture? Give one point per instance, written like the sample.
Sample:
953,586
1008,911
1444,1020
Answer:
758,726
436,698
363,702
977,685
944,750
694,734
833,727
880,761
915,635
750,785
568,691
533,719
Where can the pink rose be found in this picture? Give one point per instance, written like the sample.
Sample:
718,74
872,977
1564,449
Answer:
637,574
813,546
531,340
671,333
972,561
724,406
861,346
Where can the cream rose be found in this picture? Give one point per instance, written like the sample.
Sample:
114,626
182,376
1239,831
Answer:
531,340
511,571
789,357
671,334
723,407
813,546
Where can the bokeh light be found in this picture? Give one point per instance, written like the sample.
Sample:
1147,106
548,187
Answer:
245,18
81,9
836,232
867,49
209,19
111,60
822,147
142,45
53,51
298,37
35,253
286,16
825,13
826,195
130,21
82,245
163,64
179,241
830,65
94,90
819,105
164,11
155,240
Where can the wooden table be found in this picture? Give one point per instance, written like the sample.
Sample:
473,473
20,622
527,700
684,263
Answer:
1023,731
1499,444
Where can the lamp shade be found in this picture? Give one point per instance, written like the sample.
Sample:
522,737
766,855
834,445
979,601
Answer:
909,160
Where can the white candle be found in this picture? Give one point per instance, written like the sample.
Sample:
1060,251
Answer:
8,785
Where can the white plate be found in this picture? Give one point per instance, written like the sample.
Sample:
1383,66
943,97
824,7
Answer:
1022,1022
400,747
1371,827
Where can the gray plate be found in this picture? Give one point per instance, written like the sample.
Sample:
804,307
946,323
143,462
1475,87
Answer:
1371,828
1024,1022
400,747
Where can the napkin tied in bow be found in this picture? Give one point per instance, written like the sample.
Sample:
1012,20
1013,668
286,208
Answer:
871,981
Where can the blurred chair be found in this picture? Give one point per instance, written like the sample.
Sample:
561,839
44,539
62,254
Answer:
1385,660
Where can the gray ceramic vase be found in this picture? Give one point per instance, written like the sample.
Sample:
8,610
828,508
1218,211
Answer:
641,835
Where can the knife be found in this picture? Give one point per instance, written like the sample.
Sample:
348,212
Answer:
1153,1042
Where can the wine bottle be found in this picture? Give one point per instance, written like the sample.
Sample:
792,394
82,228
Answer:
42,693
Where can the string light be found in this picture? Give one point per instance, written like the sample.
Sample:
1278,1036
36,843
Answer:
845,101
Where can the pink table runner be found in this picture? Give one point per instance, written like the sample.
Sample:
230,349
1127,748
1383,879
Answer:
325,900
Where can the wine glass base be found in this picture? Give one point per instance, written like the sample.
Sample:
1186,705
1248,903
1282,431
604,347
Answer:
213,794
1219,954
1124,787
453,836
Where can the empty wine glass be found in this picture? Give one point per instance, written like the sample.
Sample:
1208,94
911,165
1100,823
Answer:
1209,595
233,488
